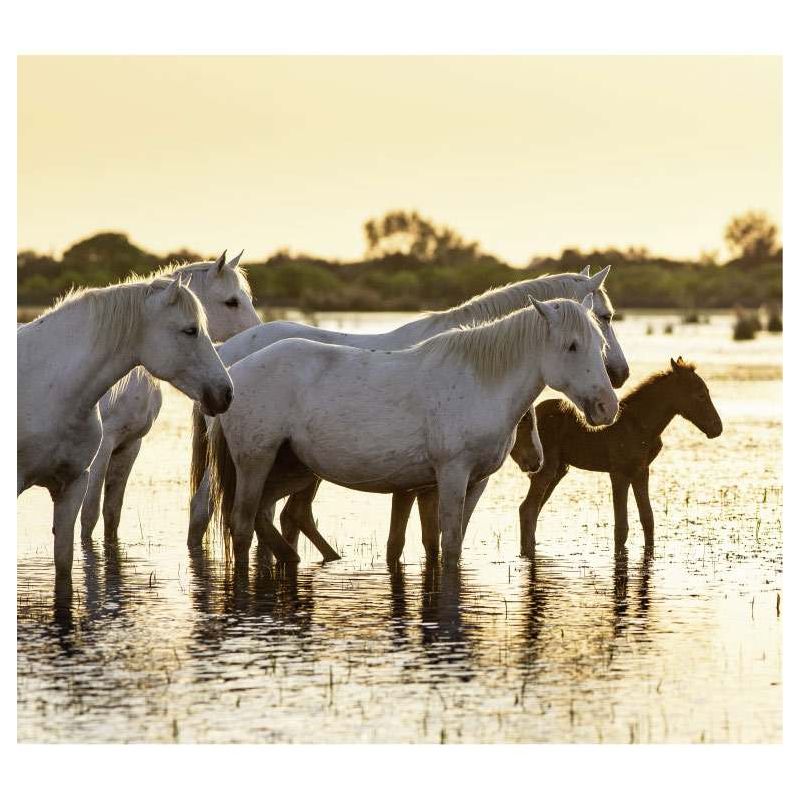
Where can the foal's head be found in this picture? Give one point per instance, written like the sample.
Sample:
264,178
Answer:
692,399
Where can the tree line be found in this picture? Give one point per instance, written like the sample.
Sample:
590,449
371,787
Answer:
412,263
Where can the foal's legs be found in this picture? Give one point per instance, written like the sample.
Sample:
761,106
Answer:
619,488
119,470
199,512
542,484
642,494
401,508
67,503
451,480
298,515
90,511
428,506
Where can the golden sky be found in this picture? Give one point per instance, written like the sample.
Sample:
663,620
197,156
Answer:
527,155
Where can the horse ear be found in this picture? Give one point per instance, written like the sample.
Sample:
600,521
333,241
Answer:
171,292
219,264
675,364
234,262
597,280
588,302
545,310
585,271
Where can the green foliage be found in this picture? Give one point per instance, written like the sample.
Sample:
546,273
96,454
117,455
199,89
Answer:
428,267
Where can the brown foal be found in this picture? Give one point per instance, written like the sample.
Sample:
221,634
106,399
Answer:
624,449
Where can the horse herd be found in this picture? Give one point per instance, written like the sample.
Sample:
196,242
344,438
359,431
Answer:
425,412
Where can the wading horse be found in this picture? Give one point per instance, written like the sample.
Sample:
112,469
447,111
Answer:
625,449
69,357
130,407
298,514
441,413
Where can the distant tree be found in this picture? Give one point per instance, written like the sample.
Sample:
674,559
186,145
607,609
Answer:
109,254
752,236
408,233
709,258
183,256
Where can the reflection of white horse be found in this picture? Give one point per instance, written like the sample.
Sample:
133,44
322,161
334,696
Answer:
483,308
440,413
129,409
68,358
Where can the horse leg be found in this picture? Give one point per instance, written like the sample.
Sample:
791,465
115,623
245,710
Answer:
298,507
428,506
199,512
532,504
119,470
401,509
269,537
619,488
66,505
641,492
451,482
302,514
263,526
90,510
470,501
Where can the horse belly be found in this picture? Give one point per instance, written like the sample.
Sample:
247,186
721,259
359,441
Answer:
366,462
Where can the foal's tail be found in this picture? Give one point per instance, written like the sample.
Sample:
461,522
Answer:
199,448
222,482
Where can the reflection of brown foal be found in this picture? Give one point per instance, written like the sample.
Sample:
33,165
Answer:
623,449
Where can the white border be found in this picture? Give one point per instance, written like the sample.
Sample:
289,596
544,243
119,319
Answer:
408,27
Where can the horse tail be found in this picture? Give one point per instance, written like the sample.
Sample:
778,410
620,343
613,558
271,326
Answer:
199,449
222,482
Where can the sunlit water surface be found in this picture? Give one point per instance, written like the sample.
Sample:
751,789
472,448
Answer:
578,646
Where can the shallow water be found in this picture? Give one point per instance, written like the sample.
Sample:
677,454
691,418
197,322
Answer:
681,645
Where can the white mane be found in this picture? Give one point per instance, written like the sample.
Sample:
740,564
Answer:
496,303
115,311
493,348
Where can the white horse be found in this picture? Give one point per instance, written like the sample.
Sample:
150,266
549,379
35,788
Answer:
484,307
130,408
441,413
69,357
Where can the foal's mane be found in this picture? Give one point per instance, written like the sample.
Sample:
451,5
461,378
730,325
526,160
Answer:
493,348
496,303
653,381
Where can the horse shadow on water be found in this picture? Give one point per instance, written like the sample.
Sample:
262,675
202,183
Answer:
442,624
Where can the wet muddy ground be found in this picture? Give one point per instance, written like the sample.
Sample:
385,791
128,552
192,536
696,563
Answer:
579,645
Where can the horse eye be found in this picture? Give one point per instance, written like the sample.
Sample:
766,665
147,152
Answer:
232,303
192,331
573,348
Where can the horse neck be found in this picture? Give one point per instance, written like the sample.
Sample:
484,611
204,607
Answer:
522,381
651,407
94,364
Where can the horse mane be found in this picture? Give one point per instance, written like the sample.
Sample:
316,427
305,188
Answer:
493,348
495,303
115,310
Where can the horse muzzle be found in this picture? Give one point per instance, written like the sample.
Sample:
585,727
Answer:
217,400
600,412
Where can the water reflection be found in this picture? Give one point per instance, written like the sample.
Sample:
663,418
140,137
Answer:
447,643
